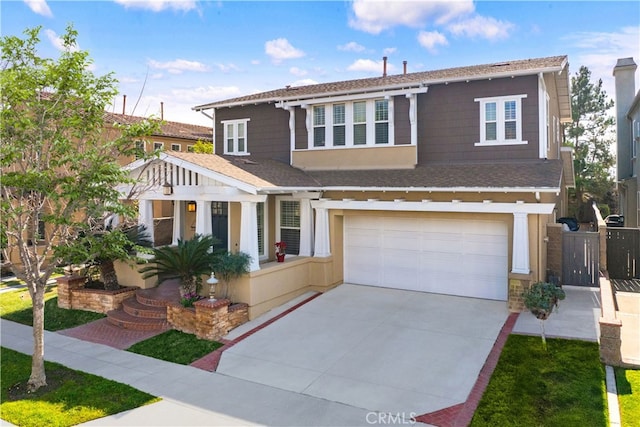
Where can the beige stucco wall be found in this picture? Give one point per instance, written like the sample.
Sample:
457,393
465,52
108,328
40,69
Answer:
388,157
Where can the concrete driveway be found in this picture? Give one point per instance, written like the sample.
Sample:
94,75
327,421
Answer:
378,349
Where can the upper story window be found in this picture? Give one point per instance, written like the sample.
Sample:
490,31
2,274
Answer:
175,147
190,148
501,120
140,146
350,124
158,146
235,137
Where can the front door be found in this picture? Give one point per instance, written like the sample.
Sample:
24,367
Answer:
220,224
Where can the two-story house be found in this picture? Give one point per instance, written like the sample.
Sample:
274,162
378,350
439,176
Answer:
628,140
438,181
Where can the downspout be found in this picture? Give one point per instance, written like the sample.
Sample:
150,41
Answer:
213,126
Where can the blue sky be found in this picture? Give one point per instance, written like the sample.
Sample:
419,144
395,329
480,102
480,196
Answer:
191,52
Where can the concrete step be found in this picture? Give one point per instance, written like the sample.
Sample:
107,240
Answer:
125,320
133,307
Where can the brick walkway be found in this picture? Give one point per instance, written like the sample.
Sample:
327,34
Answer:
461,414
103,332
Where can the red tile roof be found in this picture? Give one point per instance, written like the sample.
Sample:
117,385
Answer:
167,128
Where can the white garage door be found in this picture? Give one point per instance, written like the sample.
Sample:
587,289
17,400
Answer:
456,257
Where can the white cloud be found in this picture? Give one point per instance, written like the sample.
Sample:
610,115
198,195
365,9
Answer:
431,40
159,5
389,50
370,66
375,16
351,47
57,42
298,71
178,66
40,7
255,62
483,27
304,82
280,49
228,68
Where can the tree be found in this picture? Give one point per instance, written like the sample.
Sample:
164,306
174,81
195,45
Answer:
60,169
203,147
540,299
188,262
591,136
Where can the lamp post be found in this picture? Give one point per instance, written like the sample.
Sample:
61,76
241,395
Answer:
212,281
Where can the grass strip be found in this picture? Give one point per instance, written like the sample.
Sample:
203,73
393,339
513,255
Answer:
70,397
175,346
628,385
563,386
17,307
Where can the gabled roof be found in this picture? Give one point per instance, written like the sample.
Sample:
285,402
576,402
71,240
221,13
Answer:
167,128
555,64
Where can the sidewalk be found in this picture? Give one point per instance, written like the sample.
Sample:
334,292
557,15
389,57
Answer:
191,396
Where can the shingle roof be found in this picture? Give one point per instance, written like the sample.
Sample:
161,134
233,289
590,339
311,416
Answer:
167,128
507,68
266,174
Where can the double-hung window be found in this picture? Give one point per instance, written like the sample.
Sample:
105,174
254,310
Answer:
176,147
360,123
382,121
501,120
158,146
319,129
260,216
289,224
339,124
235,137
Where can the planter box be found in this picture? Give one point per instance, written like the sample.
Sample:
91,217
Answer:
73,295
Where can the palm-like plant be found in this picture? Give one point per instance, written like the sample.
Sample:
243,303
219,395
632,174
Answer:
229,266
188,261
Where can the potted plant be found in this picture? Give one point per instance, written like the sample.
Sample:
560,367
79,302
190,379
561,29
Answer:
280,251
540,299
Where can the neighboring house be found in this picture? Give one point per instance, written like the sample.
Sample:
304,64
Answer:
628,141
439,181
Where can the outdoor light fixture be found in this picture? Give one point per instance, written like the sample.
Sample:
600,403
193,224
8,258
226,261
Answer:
167,189
191,206
212,281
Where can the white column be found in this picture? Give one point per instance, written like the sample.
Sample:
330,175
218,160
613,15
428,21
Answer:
292,127
306,228
249,233
203,217
322,246
178,221
520,260
145,216
412,117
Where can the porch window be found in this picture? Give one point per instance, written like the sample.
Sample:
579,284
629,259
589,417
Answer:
289,225
501,120
319,130
261,231
235,137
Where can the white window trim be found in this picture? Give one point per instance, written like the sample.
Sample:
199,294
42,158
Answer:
500,100
173,147
328,125
160,144
235,124
190,148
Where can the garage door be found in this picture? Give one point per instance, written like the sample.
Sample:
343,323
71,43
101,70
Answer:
456,257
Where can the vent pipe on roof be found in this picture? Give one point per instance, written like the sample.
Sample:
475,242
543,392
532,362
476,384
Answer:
384,66
124,103
161,110
404,66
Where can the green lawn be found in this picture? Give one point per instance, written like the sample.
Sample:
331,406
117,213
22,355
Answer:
628,384
175,346
16,306
564,386
70,397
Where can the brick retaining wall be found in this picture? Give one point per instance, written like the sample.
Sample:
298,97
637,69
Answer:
73,295
209,320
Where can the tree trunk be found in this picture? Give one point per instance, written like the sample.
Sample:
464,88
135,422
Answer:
38,377
187,286
109,278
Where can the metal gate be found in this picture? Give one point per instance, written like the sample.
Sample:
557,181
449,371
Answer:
623,253
580,258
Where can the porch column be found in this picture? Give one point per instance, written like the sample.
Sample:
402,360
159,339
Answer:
520,259
249,233
145,217
178,222
306,228
322,247
203,217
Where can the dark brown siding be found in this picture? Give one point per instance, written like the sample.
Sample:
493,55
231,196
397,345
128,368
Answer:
449,121
301,129
267,130
402,126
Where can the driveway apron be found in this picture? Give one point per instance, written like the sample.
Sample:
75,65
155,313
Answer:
374,348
